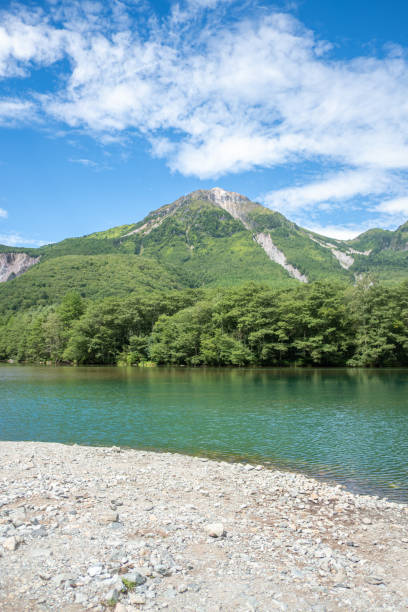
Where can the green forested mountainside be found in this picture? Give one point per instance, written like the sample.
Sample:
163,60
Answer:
205,239
210,247
374,239
387,266
400,238
93,277
12,249
316,324
379,240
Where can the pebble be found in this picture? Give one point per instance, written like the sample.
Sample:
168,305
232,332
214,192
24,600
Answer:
136,599
109,517
39,532
113,594
291,545
215,530
374,580
80,598
95,570
134,578
10,544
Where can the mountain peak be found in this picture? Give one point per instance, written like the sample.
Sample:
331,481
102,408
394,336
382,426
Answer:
219,196
231,201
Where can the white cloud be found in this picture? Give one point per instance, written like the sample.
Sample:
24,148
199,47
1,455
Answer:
185,10
15,239
339,187
394,206
257,94
26,38
3,213
15,111
205,3
213,98
84,162
339,232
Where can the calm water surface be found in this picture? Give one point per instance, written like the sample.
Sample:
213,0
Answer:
346,425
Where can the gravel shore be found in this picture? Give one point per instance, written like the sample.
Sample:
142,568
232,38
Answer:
86,528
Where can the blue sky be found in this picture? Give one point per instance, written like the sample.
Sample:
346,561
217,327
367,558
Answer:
111,109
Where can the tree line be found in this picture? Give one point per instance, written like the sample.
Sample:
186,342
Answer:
320,324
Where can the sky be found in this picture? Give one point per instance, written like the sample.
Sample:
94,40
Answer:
111,109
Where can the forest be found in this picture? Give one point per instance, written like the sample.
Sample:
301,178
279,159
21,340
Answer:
320,324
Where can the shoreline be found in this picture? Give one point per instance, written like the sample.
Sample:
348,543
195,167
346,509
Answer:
188,533
362,489
162,366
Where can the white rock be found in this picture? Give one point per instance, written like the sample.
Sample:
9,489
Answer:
109,517
11,543
80,598
137,599
215,530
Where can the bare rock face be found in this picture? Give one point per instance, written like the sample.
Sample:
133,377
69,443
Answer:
14,264
265,241
234,203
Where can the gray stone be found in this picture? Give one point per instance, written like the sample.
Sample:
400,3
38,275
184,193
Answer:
163,570
135,578
374,580
40,532
113,594
18,517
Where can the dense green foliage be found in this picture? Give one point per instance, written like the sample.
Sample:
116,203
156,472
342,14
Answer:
373,239
387,266
306,325
92,277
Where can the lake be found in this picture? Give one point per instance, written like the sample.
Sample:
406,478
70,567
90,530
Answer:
346,425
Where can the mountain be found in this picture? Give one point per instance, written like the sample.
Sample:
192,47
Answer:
208,238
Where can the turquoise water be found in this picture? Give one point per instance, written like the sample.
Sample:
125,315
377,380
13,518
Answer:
345,425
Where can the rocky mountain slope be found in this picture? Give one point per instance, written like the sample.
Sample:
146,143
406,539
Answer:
208,238
14,264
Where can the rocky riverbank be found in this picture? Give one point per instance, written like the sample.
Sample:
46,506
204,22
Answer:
102,528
